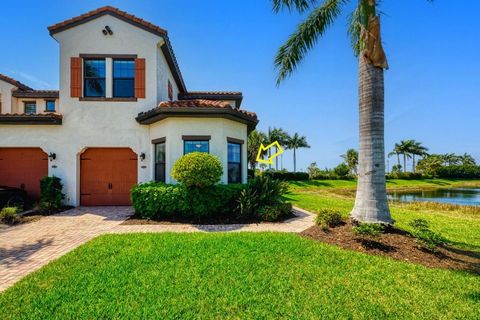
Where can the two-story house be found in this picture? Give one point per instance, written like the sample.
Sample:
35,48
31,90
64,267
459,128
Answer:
122,115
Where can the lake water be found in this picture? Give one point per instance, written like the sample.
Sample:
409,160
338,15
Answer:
462,196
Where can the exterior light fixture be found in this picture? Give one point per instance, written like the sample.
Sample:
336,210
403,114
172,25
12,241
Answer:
52,156
142,156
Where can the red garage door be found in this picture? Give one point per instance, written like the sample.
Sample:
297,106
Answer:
23,167
106,176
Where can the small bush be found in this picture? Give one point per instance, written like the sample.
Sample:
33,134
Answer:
51,194
424,236
154,199
372,230
274,212
197,169
259,192
9,214
288,176
327,218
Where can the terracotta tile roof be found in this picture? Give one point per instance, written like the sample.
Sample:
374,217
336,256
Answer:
35,93
223,93
14,82
23,118
198,108
203,103
102,11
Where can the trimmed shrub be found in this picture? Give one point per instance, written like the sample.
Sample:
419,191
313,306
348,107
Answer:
424,236
328,218
9,214
197,169
288,176
154,199
274,212
51,194
342,171
459,172
372,230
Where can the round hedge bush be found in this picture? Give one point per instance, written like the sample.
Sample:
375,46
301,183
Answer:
197,169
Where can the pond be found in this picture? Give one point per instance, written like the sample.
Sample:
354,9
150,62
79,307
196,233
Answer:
462,196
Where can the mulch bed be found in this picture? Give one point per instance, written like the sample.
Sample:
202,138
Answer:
136,220
397,244
31,216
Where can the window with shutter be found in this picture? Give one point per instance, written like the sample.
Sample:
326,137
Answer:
139,78
75,77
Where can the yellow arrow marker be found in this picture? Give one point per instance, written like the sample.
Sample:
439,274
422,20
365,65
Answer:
263,149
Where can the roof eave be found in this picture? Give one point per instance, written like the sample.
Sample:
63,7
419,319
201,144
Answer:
159,114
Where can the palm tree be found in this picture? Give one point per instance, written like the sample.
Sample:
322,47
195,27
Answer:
451,159
404,148
276,134
351,160
396,151
371,203
295,142
255,139
467,160
417,149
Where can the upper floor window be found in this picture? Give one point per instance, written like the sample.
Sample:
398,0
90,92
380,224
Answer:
123,78
50,105
30,107
94,77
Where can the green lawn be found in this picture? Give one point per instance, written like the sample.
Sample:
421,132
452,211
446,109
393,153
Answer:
458,226
239,276
251,276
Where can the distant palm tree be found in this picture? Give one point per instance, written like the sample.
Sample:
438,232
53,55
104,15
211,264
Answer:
467,160
396,151
351,159
404,147
276,134
417,149
451,159
295,142
255,139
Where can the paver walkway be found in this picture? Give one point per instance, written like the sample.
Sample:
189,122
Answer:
26,248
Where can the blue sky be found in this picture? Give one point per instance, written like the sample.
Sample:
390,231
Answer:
432,87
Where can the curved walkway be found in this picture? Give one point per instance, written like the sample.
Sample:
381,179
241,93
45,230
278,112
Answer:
28,247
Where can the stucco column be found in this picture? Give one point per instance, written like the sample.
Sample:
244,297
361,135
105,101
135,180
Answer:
108,77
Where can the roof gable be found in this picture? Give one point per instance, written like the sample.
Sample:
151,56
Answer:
135,21
14,82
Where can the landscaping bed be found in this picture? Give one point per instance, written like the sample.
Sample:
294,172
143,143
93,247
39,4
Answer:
208,220
397,244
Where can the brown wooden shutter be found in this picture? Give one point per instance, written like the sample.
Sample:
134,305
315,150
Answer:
75,77
139,78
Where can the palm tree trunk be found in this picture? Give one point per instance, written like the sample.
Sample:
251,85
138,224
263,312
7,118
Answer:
294,160
404,162
371,203
413,162
398,159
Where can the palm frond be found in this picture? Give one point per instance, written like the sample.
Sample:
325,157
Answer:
354,28
305,37
300,5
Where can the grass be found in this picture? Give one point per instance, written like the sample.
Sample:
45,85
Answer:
235,276
261,275
459,224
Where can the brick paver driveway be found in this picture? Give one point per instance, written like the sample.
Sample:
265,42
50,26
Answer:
26,248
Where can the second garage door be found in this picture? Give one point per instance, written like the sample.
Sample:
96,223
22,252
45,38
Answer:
23,168
106,176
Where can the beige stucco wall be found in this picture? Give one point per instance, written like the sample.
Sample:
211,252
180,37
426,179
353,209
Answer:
6,96
219,129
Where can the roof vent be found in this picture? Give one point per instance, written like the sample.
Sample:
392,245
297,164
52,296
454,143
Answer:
107,31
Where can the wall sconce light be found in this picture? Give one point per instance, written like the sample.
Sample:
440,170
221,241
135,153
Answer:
52,156
142,156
